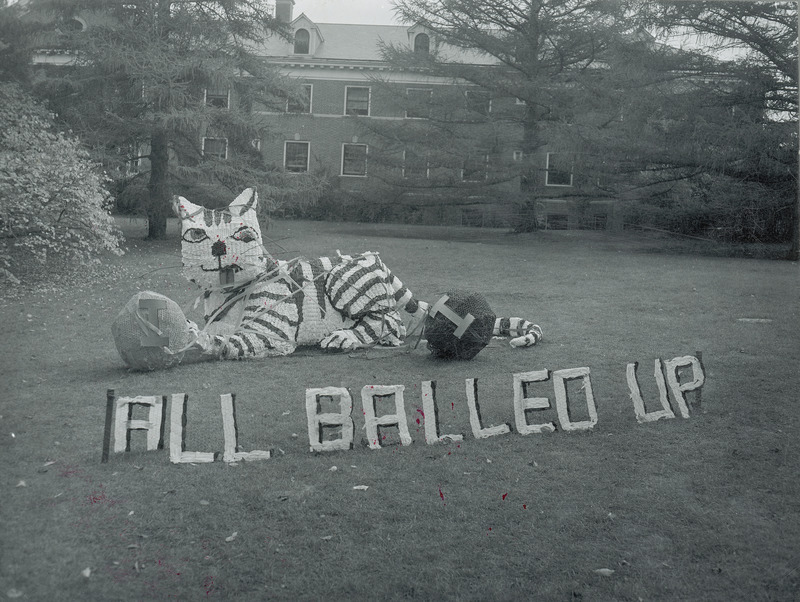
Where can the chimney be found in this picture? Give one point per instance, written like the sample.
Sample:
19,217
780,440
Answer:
283,10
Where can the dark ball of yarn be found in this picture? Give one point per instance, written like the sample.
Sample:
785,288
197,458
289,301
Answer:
459,325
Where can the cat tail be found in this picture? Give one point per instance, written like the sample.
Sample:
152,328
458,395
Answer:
523,333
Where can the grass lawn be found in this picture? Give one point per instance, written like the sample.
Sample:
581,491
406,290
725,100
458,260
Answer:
704,508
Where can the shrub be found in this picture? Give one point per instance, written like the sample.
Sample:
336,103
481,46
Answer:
52,198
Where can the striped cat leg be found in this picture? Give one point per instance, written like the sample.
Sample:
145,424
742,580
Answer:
268,325
377,328
523,333
404,299
359,289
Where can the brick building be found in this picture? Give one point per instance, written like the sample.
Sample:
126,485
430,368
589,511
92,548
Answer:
348,94
347,98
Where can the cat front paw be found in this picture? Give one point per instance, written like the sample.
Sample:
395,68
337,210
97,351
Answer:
207,345
194,329
341,340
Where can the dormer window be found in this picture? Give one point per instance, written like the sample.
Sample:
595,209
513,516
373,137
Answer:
302,41
422,43
74,24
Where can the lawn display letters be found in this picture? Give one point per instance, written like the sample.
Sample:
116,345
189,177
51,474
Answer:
119,411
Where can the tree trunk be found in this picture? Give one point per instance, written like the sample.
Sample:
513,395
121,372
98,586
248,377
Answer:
794,252
158,187
530,179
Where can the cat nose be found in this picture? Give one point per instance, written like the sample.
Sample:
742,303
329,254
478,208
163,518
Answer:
218,249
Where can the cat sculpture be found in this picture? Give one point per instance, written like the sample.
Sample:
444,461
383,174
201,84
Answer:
257,306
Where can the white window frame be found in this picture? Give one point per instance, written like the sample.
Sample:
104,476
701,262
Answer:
286,144
547,173
478,91
294,42
225,158
137,150
309,109
416,47
366,154
485,168
369,100
227,98
427,166
430,97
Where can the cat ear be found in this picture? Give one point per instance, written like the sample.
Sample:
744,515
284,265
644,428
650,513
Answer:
247,200
183,208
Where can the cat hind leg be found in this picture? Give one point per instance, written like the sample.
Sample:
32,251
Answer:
376,328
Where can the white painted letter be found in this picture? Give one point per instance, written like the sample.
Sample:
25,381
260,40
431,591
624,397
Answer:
177,440
368,395
231,433
475,414
124,424
559,384
522,403
698,378
317,421
636,395
431,415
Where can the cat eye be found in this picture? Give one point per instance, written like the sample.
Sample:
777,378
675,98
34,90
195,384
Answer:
245,234
195,235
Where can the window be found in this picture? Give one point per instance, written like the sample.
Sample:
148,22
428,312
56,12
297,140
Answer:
302,41
557,221
354,159
419,103
475,167
559,169
414,165
517,155
478,101
135,152
596,221
218,98
356,100
74,24
301,104
215,147
422,43
295,156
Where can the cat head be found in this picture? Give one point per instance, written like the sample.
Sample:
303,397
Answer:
221,247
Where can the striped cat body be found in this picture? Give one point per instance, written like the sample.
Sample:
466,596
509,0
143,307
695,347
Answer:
257,306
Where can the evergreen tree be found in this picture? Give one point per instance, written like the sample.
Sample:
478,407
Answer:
544,54
173,85
760,39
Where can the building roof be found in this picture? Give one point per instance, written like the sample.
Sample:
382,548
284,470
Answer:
339,42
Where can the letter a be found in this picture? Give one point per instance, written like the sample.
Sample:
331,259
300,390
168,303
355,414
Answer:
372,422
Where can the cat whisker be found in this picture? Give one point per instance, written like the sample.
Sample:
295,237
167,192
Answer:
274,241
166,267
